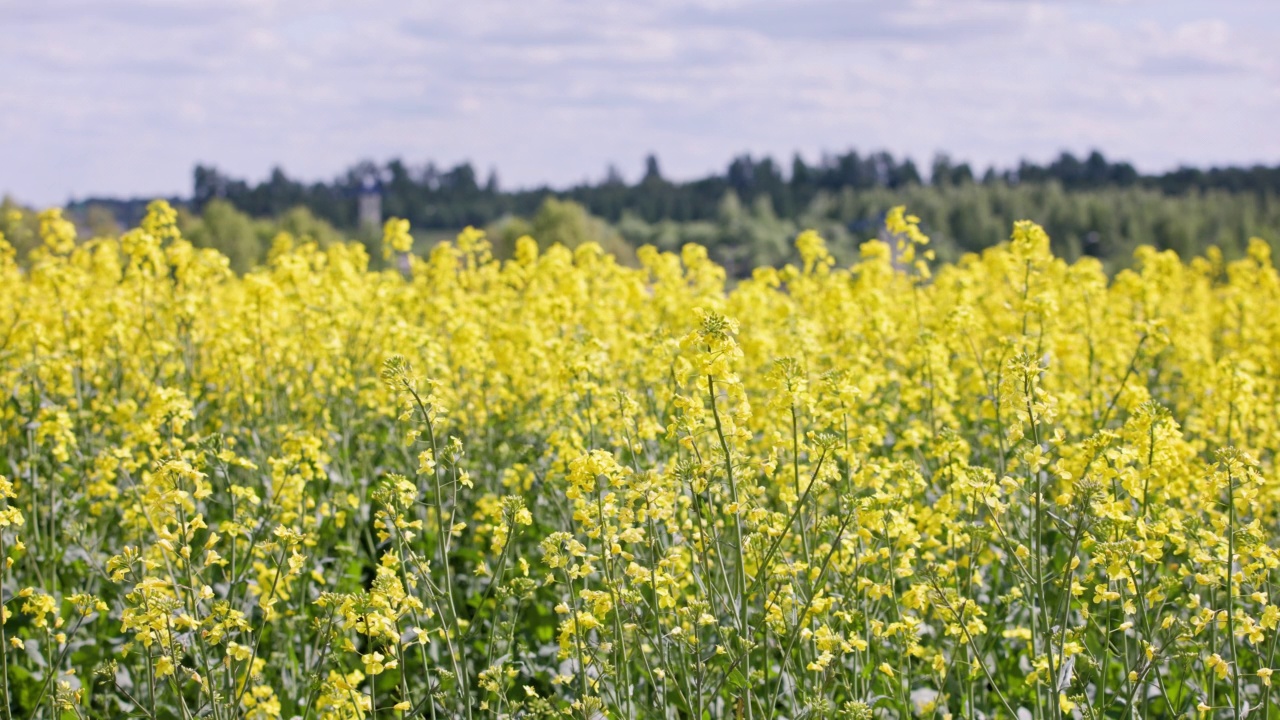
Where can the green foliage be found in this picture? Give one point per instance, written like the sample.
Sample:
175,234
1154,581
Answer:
230,231
100,221
244,240
562,222
303,224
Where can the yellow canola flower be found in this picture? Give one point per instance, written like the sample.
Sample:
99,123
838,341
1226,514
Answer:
396,237
58,233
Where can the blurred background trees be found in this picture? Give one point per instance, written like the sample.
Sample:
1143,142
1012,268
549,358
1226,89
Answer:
746,216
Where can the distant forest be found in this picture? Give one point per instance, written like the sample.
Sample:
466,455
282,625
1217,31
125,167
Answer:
432,197
748,214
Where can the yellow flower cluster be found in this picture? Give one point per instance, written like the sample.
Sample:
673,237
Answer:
559,486
396,237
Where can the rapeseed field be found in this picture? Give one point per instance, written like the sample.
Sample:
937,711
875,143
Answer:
559,486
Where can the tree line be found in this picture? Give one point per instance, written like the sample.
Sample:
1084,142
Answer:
432,197
748,215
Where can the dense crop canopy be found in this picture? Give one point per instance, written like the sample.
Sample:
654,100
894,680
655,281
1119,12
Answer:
559,486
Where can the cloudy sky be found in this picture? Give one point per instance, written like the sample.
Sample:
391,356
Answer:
125,97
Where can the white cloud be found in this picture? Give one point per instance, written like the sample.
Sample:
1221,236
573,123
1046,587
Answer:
125,97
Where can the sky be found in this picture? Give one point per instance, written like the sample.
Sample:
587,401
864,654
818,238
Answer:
124,98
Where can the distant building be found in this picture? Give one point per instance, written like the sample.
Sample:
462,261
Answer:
369,204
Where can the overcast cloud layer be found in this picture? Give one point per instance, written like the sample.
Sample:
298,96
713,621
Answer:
124,97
